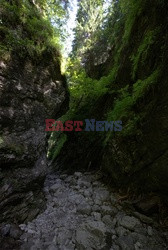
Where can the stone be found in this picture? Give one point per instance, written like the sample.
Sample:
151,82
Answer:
78,174
98,202
83,183
97,216
109,210
126,243
113,199
96,208
102,194
114,237
148,205
15,231
52,247
138,246
87,193
150,231
143,218
84,208
91,236
55,187
121,231
107,219
32,92
129,222
5,229
74,224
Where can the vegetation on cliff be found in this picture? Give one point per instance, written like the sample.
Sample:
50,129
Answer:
115,70
26,27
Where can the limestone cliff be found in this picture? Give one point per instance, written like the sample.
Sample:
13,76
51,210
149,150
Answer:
32,89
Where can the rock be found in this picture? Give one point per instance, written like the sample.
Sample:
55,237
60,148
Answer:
138,246
113,199
84,183
5,229
52,247
115,247
22,226
121,231
125,242
87,193
32,92
95,183
129,222
114,237
91,236
143,218
148,205
97,216
109,210
140,238
107,219
102,195
98,202
78,174
15,231
150,231
74,224
55,187
96,208
84,208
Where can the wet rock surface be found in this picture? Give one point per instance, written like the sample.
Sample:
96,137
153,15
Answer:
82,213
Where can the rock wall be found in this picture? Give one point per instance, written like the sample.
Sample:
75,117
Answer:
139,159
30,92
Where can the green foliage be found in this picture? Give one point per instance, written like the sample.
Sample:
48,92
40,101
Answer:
141,54
83,90
124,106
131,10
141,87
56,142
25,28
89,19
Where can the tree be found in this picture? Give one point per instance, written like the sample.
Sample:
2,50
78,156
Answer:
89,20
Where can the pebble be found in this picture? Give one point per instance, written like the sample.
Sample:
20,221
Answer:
81,213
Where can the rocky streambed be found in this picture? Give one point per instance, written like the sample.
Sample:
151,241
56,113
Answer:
82,214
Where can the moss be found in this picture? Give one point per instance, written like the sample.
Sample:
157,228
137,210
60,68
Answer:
15,148
56,143
25,30
142,86
1,142
124,106
141,54
131,9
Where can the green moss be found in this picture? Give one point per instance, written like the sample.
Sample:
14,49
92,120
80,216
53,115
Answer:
16,148
56,143
26,30
141,54
124,106
131,9
142,86
1,142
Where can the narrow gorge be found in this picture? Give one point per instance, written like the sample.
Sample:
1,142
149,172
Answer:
96,176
